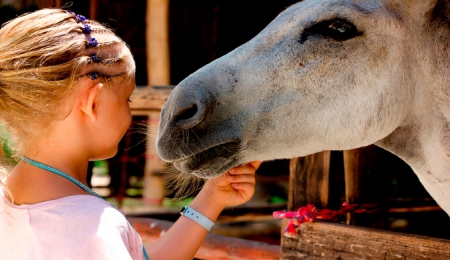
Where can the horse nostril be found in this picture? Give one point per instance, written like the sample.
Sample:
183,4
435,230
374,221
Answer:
186,113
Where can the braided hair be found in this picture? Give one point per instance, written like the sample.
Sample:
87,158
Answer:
42,56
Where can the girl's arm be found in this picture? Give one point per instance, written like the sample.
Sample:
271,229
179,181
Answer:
184,238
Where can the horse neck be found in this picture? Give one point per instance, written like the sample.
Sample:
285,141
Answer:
425,146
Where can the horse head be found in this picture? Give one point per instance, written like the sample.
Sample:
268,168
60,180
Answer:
323,75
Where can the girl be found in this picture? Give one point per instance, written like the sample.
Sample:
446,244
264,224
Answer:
65,84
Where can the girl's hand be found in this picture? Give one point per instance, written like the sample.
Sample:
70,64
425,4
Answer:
231,188
234,187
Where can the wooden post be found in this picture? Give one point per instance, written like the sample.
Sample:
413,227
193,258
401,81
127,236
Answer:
154,187
148,101
309,183
93,9
157,35
362,184
45,4
309,180
357,163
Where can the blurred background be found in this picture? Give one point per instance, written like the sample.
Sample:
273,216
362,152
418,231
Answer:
169,41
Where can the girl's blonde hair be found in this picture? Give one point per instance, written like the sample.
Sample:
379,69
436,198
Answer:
42,54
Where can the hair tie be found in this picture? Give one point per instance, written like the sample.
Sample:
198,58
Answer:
86,29
80,18
94,75
95,58
92,42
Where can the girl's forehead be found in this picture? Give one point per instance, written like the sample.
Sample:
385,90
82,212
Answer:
122,86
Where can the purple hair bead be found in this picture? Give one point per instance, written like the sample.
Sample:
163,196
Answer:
80,17
95,58
94,75
93,42
87,29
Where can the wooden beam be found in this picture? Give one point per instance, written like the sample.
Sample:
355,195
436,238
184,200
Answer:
319,240
149,98
157,36
215,247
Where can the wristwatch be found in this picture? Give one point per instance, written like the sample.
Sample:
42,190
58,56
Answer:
198,217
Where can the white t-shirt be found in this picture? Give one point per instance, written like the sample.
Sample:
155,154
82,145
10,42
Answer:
74,227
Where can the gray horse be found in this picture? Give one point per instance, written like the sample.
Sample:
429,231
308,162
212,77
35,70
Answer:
324,75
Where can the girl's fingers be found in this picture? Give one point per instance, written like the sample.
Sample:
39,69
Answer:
248,178
255,164
243,169
243,186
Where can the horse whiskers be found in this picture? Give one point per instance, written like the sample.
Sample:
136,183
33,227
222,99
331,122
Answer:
181,185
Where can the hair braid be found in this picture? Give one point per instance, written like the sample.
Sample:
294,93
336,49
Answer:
42,55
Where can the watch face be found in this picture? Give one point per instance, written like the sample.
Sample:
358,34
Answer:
183,209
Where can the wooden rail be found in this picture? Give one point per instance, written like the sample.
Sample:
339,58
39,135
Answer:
145,98
321,240
215,247
312,183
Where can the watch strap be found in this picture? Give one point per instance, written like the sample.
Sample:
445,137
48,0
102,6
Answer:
198,217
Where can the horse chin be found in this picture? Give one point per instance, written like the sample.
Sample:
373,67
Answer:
212,162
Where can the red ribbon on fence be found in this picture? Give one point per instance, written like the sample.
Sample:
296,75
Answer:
310,213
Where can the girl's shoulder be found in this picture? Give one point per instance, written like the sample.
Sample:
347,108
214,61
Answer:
71,211
68,226
84,206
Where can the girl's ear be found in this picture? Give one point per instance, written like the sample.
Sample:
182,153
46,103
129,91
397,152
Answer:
89,103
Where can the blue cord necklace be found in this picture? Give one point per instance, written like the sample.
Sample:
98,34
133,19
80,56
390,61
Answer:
70,178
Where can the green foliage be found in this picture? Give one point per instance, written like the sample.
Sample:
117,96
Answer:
278,200
177,203
101,167
6,153
5,148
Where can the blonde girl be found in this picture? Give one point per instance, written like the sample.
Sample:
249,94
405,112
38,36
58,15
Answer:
65,84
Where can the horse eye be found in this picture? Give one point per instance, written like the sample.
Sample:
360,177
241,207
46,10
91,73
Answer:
337,29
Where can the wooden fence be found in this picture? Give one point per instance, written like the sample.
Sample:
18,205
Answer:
310,183
340,241
215,247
